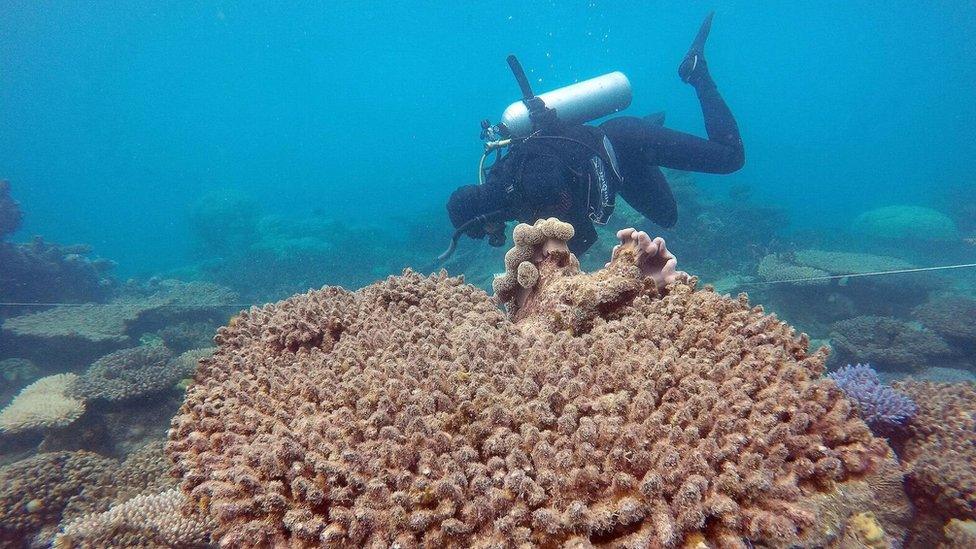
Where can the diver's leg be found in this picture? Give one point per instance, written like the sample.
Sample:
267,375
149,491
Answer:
720,125
659,146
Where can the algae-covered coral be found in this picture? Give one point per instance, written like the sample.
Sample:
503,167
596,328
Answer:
414,412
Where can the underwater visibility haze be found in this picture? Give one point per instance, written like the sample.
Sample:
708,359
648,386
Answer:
739,312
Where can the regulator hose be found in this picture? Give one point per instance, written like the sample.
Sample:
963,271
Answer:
483,218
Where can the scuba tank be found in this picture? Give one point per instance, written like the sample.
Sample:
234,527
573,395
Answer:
574,104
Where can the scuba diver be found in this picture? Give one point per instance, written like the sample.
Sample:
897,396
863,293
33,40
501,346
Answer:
565,169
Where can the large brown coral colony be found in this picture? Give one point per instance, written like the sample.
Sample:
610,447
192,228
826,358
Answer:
414,412
940,452
34,491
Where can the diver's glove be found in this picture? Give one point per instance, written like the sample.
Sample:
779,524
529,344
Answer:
693,68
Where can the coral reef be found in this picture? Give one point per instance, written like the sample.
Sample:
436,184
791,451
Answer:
126,374
882,408
44,272
774,268
817,303
951,316
706,226
941,449
185,365
184,336
86,496
959,534
905,224
413,412
44,404
14,374
10,214
145,521
35,491
864,530
224,222
73,336
268,257
888,343
144,471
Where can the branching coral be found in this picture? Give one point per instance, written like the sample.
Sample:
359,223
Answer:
884,409
413,412
145,521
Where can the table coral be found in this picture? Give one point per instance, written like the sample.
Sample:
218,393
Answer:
128,373
43,404
609,411
888,343
950,316
76,335
905,222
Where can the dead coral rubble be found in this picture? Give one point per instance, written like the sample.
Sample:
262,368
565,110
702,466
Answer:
414,412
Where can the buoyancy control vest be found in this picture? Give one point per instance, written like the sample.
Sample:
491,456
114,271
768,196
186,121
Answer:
590,172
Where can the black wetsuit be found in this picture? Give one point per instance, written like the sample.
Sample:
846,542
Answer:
550,176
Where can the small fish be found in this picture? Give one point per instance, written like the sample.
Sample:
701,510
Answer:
971,240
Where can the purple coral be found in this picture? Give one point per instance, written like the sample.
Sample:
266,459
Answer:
882,408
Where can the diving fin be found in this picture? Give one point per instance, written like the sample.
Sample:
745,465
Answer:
694,61
656,118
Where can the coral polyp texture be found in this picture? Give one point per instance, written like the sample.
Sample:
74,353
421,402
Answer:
941,451
607,411
34,491
128,373
883,408
147,520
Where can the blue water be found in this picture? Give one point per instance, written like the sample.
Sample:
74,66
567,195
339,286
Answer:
114,119
225,154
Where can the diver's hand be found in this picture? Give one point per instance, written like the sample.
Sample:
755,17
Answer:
693,63
653,257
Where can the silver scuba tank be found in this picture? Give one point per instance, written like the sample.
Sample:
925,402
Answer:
574,104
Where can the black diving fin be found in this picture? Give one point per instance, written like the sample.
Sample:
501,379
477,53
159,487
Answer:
695,57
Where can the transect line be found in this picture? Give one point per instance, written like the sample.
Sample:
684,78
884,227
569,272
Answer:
763,283
55,304
858,275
